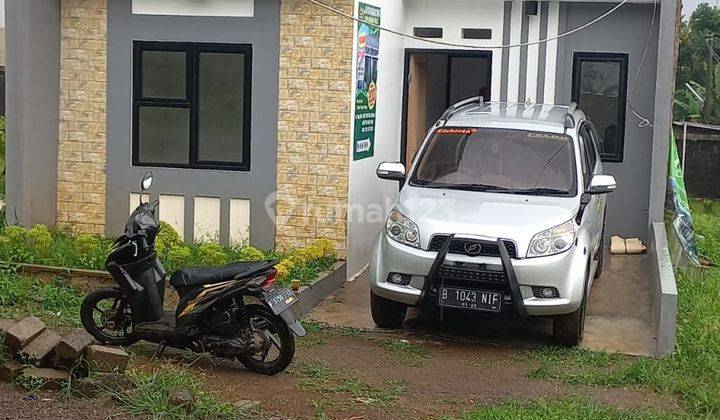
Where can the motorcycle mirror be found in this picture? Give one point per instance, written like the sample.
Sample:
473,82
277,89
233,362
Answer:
146,182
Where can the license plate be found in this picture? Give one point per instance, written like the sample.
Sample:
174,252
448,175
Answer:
280,299
470,299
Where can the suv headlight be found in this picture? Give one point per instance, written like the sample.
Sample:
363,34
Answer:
552,241
401,229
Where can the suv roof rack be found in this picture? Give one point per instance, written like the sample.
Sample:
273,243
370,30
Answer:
455,107
569,118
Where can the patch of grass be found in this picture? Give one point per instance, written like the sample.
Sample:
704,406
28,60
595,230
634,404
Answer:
563,409
152,391
319,377
55,303
409,353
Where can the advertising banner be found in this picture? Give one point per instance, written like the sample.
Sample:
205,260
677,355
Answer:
368,48
678,203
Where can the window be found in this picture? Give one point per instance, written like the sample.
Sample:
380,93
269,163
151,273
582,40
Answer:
497,160
191,105
599,88
587,152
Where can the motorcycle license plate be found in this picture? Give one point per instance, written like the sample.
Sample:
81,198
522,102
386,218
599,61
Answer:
280,299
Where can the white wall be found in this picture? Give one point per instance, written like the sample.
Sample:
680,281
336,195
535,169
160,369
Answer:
237,8
453,17
366,190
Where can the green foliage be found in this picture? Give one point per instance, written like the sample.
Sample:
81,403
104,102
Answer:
210,254
152,391
55,303
2,158
166,239
409,353
562,409
693,372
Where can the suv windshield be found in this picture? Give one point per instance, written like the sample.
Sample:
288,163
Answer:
498,160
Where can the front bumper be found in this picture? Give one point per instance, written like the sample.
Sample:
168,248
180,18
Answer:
565,272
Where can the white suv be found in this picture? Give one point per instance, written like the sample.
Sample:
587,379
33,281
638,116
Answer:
502,211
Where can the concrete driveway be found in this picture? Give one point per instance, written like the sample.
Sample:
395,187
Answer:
619,314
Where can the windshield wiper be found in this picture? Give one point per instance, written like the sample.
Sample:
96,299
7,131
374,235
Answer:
477,187
539,191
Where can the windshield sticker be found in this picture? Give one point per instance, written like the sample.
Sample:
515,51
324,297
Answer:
457,130
547,136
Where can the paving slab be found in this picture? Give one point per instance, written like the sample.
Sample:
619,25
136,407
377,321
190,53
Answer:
40,349
106,359
73,345
9,370
53,379
23,332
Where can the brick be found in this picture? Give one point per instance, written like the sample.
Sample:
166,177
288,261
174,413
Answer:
10,370
73,345
5,325
23,332
53,379
40,349
106,359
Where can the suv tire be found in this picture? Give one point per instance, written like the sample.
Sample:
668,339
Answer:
568,330
600,257
387,313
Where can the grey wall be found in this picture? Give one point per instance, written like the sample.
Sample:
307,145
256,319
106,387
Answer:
625,31
32,107
262,31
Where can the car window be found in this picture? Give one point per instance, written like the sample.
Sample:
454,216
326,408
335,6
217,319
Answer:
590,148
502,160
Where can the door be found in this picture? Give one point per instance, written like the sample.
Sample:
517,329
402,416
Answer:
434,80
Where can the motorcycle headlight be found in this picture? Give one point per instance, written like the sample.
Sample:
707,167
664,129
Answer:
401,229
552,241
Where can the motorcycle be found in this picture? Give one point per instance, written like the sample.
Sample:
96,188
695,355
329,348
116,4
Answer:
235,312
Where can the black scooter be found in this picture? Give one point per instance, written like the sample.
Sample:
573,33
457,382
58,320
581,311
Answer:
234,312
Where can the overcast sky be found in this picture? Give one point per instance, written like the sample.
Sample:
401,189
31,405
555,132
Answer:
688,5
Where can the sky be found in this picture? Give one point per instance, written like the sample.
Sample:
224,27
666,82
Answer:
688,5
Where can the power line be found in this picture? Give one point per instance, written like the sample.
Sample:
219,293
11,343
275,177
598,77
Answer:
484,47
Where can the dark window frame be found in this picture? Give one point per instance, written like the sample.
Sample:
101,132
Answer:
191,101
622,59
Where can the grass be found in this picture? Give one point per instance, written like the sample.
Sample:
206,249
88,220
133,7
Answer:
408,353
55,303
692,374
561,409
151,396
317,376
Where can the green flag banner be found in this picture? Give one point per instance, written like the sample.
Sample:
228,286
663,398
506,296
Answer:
368,49
678,203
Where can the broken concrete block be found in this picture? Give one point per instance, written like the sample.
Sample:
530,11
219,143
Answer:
106,359
10,370
40,349
92,386
634,246
52,379
23,332
5,325
73,345
617,245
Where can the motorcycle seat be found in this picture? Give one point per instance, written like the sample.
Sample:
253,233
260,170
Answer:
196,276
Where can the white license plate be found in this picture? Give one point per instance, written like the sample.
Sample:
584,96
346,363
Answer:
480,300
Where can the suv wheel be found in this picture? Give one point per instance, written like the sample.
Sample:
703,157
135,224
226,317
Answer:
387,313
568,330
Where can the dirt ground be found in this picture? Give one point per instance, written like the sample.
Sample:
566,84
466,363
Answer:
17,404
438,378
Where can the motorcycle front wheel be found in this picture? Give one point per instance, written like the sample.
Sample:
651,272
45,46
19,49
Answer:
106,315
281,349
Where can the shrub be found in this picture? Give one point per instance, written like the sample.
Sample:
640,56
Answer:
210,254
166,238
248,253
177,257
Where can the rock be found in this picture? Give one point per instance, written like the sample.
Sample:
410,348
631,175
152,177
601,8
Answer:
40,349
106,359
91,387
53,379
181,397
247,405
5,325
10,370
73,345
23,332
617,245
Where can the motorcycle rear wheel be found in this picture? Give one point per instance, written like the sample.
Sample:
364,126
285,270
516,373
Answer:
282,342
106,315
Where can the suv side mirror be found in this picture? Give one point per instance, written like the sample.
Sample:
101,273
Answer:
602,184
394,171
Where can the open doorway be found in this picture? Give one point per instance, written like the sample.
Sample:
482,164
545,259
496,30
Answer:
434,80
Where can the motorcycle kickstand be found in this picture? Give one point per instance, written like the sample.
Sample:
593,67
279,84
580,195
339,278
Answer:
161,350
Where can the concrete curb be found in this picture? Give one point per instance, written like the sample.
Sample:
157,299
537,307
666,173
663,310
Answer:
324,286
665,294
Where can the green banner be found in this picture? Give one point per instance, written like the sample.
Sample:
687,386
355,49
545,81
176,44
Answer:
678,203
368,49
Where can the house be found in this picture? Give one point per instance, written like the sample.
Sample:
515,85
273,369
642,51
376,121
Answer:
264,120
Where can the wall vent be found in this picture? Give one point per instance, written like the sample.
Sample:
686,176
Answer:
476,33
428,32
